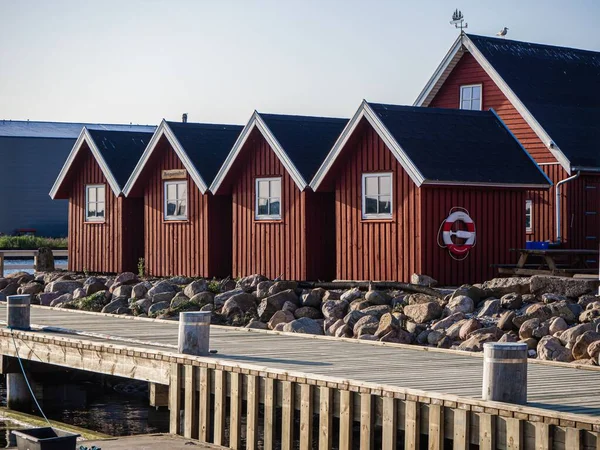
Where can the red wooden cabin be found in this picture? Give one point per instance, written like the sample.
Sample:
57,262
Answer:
103,225
186,229
548,97
281,228
399,172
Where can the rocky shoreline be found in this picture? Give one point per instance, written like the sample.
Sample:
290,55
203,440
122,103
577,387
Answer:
558,318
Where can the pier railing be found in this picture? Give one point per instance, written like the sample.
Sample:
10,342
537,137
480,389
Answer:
8,254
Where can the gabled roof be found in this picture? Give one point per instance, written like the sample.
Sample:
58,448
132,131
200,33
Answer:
300,142
116,152
201,147
445,146
60,130
553,88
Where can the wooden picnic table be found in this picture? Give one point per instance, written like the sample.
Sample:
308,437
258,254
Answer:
551,261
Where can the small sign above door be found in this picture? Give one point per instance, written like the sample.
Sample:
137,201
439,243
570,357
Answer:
173,174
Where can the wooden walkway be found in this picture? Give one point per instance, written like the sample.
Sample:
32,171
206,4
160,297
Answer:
551,386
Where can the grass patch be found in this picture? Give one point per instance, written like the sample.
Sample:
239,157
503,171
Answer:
31,243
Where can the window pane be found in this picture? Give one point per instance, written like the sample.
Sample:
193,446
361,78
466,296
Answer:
100,194
171,208
263,207
466,93
181,208
181,191
100,210
476,105
171,191
263,189
385,185
370,205
370,185
385,206
476,92
274,207
91,210
275,188
91,194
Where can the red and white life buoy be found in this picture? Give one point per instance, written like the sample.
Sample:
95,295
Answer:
468,235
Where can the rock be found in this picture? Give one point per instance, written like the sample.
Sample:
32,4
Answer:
570,287
256,324
179,299
304,325
195,287
435,336
280,286
163,291
46,298
343,331
249,283
207,307
583,341
119,302
530,342
568,311
454,330
64,298
534,311
422,337
589,315
551,298
245,301
123,290
414,328
592,305
490,307
262,289
308,311
359,304
377,298
332,295
313,298
156,308
30,288
468,327
594,350
3,283
442,324
551,349
417,299
220,299
511,301
365,325
475,293
377,311
64,287
557,324
280,317
334,309
533,328
125,278
397,337
203,298
93,285
460,303
529,298
45,260
568,337
475,342
351,294
509,337
20,277
445,342
502,286
387,323
142,305
585,300
289,306
270,305
10,289
424,312
505,323
367,337
79,293
422,280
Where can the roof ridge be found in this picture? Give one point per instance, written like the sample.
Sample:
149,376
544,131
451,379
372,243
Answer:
302,117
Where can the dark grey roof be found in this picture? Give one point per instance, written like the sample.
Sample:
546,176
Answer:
207,145
306,140
559,86
121,150
451,145
65,130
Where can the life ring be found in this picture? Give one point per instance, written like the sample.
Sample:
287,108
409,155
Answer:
468,235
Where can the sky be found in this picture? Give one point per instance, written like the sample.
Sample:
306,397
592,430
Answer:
134,61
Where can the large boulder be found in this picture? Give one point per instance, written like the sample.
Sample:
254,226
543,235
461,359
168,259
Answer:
505,323
308,311
423,312
502,286
249,283
551,298
585,300
568,337
490,307
203,298
280,317
124,290
139,290
156,308
570,287
163,291
377,298
220,299
475,342
533,328
534,311
582,343
304,325
179,300
62,286
551,349
359,304
589,315
468,327
417,299
334,309
31,288
557,324
460,303
244,301
313,298
565,309
64,298
594,350
118,302
387,323
377,310
124,278
46,298
422,280
351,294
453,331
280,286
442,324
365,325
270,305
195,287
262,289
513,300
397,337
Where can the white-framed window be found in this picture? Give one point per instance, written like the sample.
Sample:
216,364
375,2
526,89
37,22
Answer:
95,202
268,199
470,97
176,200
529,216
377,195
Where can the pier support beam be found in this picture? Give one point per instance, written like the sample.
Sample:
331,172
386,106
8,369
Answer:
18,396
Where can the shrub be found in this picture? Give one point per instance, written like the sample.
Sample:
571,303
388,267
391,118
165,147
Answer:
31,243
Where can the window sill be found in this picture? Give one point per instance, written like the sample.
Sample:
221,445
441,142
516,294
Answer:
94,222
268,220
166,221
377,220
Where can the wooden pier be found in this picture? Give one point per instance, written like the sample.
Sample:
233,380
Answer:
317,392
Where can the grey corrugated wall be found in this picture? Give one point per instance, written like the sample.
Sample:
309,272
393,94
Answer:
28,168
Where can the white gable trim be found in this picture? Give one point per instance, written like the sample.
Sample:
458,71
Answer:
164,130
365,111
463,40
257,122
84,136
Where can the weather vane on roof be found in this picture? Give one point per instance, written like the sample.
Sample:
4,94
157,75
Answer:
458,20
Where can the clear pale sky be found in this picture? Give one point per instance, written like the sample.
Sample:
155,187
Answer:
141,61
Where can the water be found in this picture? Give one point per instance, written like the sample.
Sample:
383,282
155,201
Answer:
26,265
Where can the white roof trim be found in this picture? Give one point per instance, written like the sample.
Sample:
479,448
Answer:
165,130
365,111
485,184
257,122
84,136
463,40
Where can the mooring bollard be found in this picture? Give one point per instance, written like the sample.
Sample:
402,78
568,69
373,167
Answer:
18,312
194,333
505,372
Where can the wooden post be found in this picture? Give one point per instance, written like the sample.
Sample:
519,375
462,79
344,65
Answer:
572,438
190,406
252,394
388,424
543,438
220,399
194,333
486,432
159,395
306,417
287,416
325,415
235,411
461,429
1,264
436,427
505,372
513,434
175,399
412,433
18,396
269,427
204,405
346,419
18,312
366,415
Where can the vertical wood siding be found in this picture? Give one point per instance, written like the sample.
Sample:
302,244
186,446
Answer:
176,247
499,217
374,249
101,247
277,248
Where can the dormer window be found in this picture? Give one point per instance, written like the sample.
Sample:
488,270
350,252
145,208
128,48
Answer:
94,202
470,97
